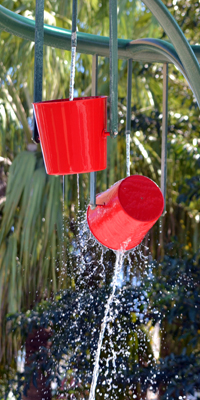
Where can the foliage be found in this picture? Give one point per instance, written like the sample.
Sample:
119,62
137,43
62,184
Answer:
176,296
27,257
127,357
75,324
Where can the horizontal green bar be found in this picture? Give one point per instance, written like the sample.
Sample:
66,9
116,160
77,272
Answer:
143,50
87,43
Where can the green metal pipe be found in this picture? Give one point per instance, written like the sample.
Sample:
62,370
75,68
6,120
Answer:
56,37
89,44
145,50
164,135
93,175
113,45
164,49
128,115
181,45
155,48
74,24
38,63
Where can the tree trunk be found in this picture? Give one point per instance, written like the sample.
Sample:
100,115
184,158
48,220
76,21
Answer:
34,341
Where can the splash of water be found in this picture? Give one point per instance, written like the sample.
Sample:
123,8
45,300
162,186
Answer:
118,266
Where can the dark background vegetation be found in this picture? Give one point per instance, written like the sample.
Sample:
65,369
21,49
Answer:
39,299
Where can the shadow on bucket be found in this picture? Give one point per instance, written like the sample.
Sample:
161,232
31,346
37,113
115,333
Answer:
73,134
125,212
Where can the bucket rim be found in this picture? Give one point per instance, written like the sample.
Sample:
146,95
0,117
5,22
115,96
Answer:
67,100
136,175
101,242
118,183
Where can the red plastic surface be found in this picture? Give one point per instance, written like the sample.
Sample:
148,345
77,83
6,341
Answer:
73,134
126,212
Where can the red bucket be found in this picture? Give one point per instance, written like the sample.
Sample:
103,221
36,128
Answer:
125,212
73,134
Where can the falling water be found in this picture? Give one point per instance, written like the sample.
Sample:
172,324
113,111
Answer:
118,265
63,225
128,154
63,194
78,192
86,269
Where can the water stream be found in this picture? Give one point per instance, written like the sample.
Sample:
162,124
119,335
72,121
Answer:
63,231
63,225
78,192
118,266
112,344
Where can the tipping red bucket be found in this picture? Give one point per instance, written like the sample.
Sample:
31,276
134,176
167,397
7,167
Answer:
126,212
73,134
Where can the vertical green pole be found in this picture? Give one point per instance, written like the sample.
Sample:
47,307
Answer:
128,116
113,68
38,62
94,93
164,134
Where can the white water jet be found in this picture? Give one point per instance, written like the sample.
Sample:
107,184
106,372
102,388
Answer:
63,210
118,265
63,263
78,191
